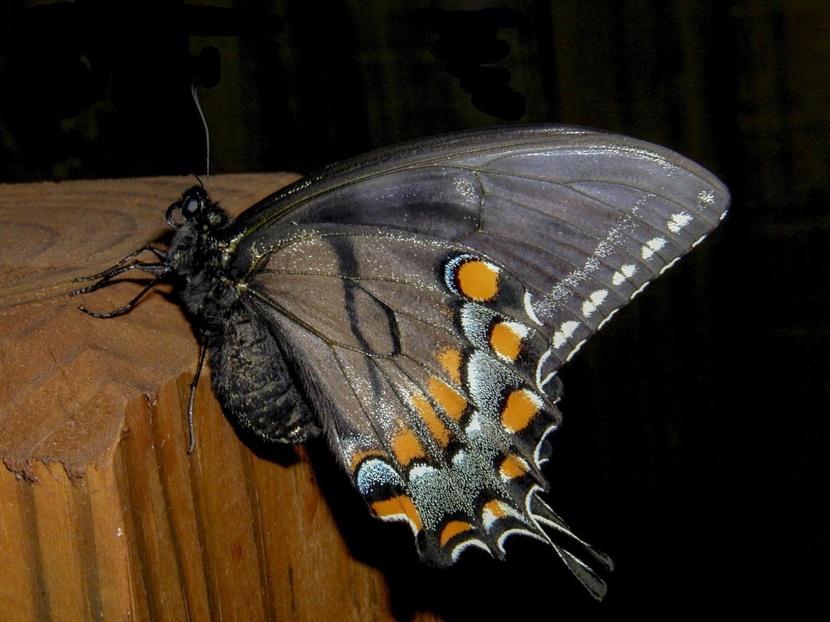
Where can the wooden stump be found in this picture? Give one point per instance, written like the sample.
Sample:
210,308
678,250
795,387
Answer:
103,515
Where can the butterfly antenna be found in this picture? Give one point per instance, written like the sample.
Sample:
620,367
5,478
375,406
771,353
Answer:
195,95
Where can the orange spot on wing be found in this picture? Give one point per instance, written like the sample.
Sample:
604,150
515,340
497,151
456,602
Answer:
407,447
450,360
519,410
398,506
496,508
452,529
513,466
359,457
436,427
506,341
478,280
453,403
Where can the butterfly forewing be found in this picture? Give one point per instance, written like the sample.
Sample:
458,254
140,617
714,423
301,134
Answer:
582,217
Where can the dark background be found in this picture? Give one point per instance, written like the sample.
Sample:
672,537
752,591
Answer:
695,444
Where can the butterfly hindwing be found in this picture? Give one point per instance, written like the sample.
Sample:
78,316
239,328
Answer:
440,369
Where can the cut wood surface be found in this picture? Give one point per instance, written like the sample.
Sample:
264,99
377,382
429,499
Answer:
103,514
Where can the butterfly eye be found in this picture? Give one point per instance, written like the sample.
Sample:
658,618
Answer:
190,207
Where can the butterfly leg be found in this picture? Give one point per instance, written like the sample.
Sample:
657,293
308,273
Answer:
159,270
120,267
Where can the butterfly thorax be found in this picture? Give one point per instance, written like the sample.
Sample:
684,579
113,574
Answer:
197,258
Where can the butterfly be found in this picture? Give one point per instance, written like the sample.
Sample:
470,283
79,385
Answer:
414,305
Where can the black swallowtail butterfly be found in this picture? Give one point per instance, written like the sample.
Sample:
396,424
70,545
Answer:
414,306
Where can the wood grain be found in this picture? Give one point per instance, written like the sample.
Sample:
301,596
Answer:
103,515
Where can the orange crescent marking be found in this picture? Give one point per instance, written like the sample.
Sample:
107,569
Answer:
452,529
399,506
362,455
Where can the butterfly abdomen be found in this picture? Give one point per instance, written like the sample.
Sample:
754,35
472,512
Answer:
253,383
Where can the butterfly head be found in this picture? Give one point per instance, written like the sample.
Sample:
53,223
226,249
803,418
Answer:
198,208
